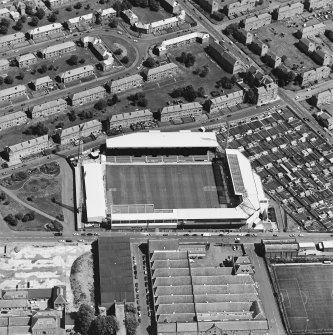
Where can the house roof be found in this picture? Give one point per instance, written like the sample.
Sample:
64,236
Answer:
60,46
181,107
77,71
42,80
131,115
28,144
11,90
82,94
26,57
12,116
4,61
46,28
77,19
49,104
72,131
162,68
227,97
121,81
11,37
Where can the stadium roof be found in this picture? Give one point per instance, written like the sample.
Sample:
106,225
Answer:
95,199
157,139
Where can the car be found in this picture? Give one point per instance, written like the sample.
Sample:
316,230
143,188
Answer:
80,240
248,234
301,235
96,234
186,234
76,234
61,241
90,234
69,240
275,235
138,308
221,234
229,115
83,234
292,235
58,234
135,40
297,97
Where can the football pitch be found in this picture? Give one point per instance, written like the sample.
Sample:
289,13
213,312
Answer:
307,295
165,186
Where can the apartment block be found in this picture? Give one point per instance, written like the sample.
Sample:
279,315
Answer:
87,96
12,92
43,82
59,3
124,84
209,6
78,21
326,120
176,112
26,60
314,4
258,47
12,120
288,11
243,36
107,14
72,134
59,49
324,98
315,75
77,74
266,93
321,57
240,7
310,31
4,65
28,148
257,21
125,120
272,59
180,41
47,30
225,59
48,108
171,6
160,72
11,40
129,17
225,101
306,46
45,322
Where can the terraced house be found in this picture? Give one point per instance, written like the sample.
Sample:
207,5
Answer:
176,112
240,7
47,30
78,21
58,49
72,134
87,96
59,3
11,40
257,21
314,75
288,11
4,65
224,101
160,72
314,4
12,120
12,92
42,82
310,31
48,108
124,84
26,60
76,74
126,119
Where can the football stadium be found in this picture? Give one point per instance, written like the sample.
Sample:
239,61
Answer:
169,179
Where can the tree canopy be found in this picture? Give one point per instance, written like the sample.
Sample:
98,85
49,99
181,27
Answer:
104,325
84,317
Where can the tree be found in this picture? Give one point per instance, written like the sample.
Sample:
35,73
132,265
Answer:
21,75
34,21
1,80
117,7
78,5
190,60
39,129
84,317
9,80
73,60
113,23
98,19
72,115
154,6
42,69
201,92
284,58
189,93
115,99
218,16
40,13
104,325
82,61
229,30
142,102
3,30
100,104
19,216
69,8
131,323
149,63
19,25
118,51
28,217
23,18
251,96
124,60
5,22
52,17
29,10
11,220
60,125
143,3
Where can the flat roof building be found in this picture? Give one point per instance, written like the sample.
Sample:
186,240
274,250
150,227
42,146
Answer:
288,11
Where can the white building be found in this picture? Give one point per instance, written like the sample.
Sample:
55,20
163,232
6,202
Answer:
76,74
47,30
12,92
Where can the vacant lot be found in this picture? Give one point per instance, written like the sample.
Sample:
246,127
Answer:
41,267
306,292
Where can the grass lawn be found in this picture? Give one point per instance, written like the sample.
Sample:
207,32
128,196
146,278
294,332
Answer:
146,15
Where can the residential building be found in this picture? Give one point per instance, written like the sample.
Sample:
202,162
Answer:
225,59
326,120
176,112
12,120
26,60
72,134
45,322
129,17
12,92
259,47
124,84
125,120
243,36
154,27
257,21
60,3
107,64
15,15
42,82
59,49
99,49
324,98
225,101
288,11
310,31
4,65
76,74
179,41
79,21
28,148
272,59
48,108
160,72
209,6
47,30
171,6
106,14
314,4
315,75
307,46
321,57
266,93
4,13
239,8
86,96
12,40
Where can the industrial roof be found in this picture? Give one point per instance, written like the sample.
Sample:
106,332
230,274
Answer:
157,139
95,198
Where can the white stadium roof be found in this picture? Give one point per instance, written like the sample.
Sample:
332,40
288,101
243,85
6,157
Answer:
95,199
157,139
